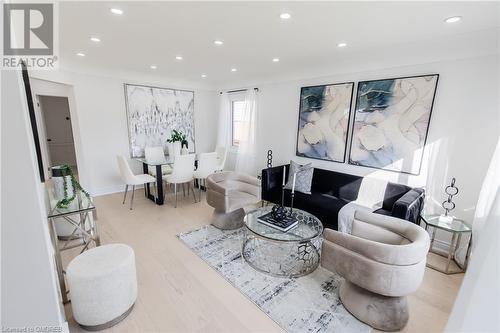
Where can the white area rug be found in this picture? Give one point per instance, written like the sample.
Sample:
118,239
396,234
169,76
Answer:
306,304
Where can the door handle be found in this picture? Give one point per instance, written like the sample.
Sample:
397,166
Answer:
49,140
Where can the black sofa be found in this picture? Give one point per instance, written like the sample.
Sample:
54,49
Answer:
331,190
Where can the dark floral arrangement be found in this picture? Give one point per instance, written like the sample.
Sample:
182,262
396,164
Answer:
178,136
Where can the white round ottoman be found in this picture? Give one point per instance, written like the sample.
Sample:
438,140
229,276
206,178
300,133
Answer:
103,285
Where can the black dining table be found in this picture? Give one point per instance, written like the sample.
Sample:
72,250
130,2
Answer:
169,160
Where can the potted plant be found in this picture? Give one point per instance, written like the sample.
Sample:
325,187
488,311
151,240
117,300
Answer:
65,185
176,141
65,188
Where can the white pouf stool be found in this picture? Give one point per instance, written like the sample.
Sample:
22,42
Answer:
103,285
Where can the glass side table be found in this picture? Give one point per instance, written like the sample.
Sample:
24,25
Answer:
84,233
457,227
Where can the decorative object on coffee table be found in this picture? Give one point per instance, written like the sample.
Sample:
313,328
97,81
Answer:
448,205
457,228
324,115
281,217
278,253
391,122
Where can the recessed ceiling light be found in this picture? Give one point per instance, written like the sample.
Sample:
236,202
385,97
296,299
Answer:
453,19
285,16
276,59
203,75
342,44
153,67
116,11
233,69
218,42
178,57
95,39
80,54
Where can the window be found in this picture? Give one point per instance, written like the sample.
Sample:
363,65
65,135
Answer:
237,110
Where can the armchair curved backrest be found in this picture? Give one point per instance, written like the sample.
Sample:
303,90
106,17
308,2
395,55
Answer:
227,191
384,254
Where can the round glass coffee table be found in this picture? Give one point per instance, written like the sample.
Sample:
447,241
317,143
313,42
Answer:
285,254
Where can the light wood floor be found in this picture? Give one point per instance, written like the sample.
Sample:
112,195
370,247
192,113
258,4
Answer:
179,292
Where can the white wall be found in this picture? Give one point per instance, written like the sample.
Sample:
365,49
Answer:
102,124
477,307
28,278
462,134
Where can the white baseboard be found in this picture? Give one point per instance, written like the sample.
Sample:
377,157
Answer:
441,246
111,189
65,327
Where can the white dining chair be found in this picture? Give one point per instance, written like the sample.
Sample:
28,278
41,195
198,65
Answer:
182,173
221,157
129,178
155,155
207,165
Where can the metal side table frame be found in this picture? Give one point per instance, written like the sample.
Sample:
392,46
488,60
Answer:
457,228
84,233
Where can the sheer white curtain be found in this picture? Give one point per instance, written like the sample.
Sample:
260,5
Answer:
224,130
247,150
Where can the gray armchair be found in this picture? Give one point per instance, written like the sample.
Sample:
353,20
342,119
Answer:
229,192
382,261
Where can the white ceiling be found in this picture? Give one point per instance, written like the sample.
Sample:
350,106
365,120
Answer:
155,32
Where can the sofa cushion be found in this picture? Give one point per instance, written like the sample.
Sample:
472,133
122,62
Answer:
338,184
324,206
350,189
382,211
303,177
392,193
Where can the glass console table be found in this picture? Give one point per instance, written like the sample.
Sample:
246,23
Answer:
287,254
85,232
457,228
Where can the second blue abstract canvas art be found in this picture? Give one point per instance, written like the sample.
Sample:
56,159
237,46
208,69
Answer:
391,123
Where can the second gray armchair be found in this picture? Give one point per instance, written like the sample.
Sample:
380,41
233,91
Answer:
229,193
382,261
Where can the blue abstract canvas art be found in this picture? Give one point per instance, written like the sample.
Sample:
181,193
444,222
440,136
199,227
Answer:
391,123
324,121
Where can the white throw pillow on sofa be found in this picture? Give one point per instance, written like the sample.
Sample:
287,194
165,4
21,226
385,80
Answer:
303,179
